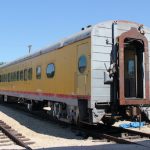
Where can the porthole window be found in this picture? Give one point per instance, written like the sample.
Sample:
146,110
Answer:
38,72
50,71
82,64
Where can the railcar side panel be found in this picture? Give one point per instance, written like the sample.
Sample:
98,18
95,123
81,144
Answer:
100,55
98,87
62,85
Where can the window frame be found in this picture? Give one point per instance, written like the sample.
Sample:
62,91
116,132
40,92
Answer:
30,72
18,75
25,74
38,76
9,77
52,75
21,75
85,67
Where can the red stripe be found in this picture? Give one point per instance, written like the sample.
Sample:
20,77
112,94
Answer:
51,94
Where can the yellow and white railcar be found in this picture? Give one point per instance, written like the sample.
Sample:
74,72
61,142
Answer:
70,77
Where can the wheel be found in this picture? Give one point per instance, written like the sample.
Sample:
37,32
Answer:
30,107
109,121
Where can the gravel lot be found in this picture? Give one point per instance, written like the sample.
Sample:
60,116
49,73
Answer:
50,136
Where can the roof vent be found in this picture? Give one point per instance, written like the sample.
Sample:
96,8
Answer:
86,27
89,26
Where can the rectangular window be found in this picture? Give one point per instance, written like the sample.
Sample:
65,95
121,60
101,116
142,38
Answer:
21,75
9,77
38,72
18,76
6,78
14,76
25,75
30,74
2,78
131,68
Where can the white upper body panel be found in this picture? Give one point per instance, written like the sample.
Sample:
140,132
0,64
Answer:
100,55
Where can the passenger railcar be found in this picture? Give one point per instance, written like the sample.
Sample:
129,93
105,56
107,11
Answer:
100,73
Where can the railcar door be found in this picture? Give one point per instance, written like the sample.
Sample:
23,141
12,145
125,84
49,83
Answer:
130,73
82,68
133,69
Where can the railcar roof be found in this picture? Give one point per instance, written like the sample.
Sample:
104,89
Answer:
66,41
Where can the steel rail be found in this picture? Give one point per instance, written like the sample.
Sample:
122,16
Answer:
13,137
102,131
142,134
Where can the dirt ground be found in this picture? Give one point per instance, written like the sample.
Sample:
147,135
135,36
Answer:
51,136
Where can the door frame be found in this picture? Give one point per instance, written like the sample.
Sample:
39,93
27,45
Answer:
83,75
134,34
130,80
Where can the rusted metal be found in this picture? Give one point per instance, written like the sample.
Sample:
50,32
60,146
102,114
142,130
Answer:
142,134
112,133
13,137
116,139
134,34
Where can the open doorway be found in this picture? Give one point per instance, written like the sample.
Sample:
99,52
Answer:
133,68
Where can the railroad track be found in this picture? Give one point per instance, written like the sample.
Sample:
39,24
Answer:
102,132
116,134
10,137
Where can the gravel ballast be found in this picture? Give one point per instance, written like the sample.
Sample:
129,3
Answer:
48,135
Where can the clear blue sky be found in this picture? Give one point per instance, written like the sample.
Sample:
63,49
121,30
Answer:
42,22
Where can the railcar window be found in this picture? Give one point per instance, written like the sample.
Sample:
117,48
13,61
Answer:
18,75
9,77
38,72
82,64
15,76
30,74
6,78
50,71
21,75
131,68
12,76
25,74
2,78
